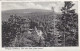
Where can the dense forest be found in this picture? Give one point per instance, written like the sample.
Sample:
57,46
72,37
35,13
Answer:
49,30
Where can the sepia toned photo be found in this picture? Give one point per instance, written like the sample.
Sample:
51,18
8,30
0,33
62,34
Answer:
40,24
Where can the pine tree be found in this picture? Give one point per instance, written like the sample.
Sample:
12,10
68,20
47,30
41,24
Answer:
69,25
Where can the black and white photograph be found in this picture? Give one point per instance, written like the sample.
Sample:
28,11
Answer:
40,24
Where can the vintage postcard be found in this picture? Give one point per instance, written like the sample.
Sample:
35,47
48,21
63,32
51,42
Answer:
40,25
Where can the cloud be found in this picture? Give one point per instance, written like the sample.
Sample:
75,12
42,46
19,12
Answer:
10,6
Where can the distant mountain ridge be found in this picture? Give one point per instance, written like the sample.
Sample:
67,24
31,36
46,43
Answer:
25,12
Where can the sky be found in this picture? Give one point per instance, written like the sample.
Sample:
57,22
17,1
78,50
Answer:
36,5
